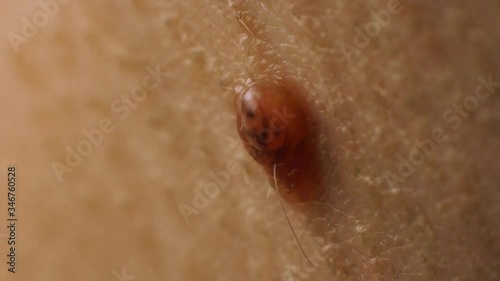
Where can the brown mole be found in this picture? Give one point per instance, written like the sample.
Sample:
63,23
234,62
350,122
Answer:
278,129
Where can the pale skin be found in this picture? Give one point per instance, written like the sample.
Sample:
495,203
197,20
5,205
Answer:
411,112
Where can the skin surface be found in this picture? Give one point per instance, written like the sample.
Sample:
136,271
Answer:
119,208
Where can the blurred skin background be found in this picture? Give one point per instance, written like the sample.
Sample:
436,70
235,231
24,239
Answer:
421,79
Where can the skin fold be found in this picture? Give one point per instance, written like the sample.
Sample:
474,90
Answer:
405,96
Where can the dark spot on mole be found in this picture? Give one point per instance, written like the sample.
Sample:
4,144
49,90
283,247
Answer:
249,113
264,135
287,141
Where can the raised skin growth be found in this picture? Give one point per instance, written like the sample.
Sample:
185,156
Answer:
278,129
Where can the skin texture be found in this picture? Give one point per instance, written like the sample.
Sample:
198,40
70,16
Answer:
120,207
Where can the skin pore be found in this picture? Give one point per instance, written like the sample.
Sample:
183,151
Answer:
406,93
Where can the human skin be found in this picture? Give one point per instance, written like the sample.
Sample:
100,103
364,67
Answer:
120,207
